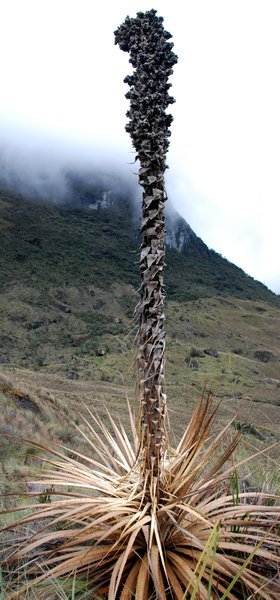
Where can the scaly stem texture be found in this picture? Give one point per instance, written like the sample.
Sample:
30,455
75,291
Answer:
152,58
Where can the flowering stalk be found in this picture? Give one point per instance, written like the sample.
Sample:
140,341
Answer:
152,58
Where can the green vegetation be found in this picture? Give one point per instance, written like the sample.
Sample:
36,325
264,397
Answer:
50,246
202,273
72,290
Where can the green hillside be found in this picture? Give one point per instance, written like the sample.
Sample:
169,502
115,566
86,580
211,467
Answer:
52,245
69,277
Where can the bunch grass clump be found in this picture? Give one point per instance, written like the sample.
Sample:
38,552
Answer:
200,538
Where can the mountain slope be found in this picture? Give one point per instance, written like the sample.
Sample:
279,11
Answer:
77,244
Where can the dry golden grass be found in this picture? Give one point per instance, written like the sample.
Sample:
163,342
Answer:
200,538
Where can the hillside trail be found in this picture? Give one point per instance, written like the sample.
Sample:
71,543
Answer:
59,384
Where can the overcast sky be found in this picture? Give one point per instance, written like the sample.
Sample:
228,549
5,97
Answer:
62,90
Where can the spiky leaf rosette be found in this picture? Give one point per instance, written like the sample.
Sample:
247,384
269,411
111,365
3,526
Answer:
152,58
200,541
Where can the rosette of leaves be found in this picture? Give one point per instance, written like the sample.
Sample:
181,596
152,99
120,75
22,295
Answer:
98,535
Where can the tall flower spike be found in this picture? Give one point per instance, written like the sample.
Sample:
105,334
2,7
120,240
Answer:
152,58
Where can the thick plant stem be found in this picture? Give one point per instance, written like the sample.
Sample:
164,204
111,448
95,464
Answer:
152,325
152,57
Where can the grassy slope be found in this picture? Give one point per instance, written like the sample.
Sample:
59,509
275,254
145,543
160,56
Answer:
50,245
71,292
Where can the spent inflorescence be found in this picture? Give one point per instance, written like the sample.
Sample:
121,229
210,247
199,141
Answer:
152,58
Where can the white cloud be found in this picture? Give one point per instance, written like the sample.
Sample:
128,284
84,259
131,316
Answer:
63,76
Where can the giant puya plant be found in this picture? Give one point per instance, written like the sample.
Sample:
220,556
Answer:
136,518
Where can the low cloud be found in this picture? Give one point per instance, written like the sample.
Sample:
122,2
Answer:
41,168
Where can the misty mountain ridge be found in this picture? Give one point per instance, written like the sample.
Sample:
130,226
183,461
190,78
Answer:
84,190
89,194
100,215
92,180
